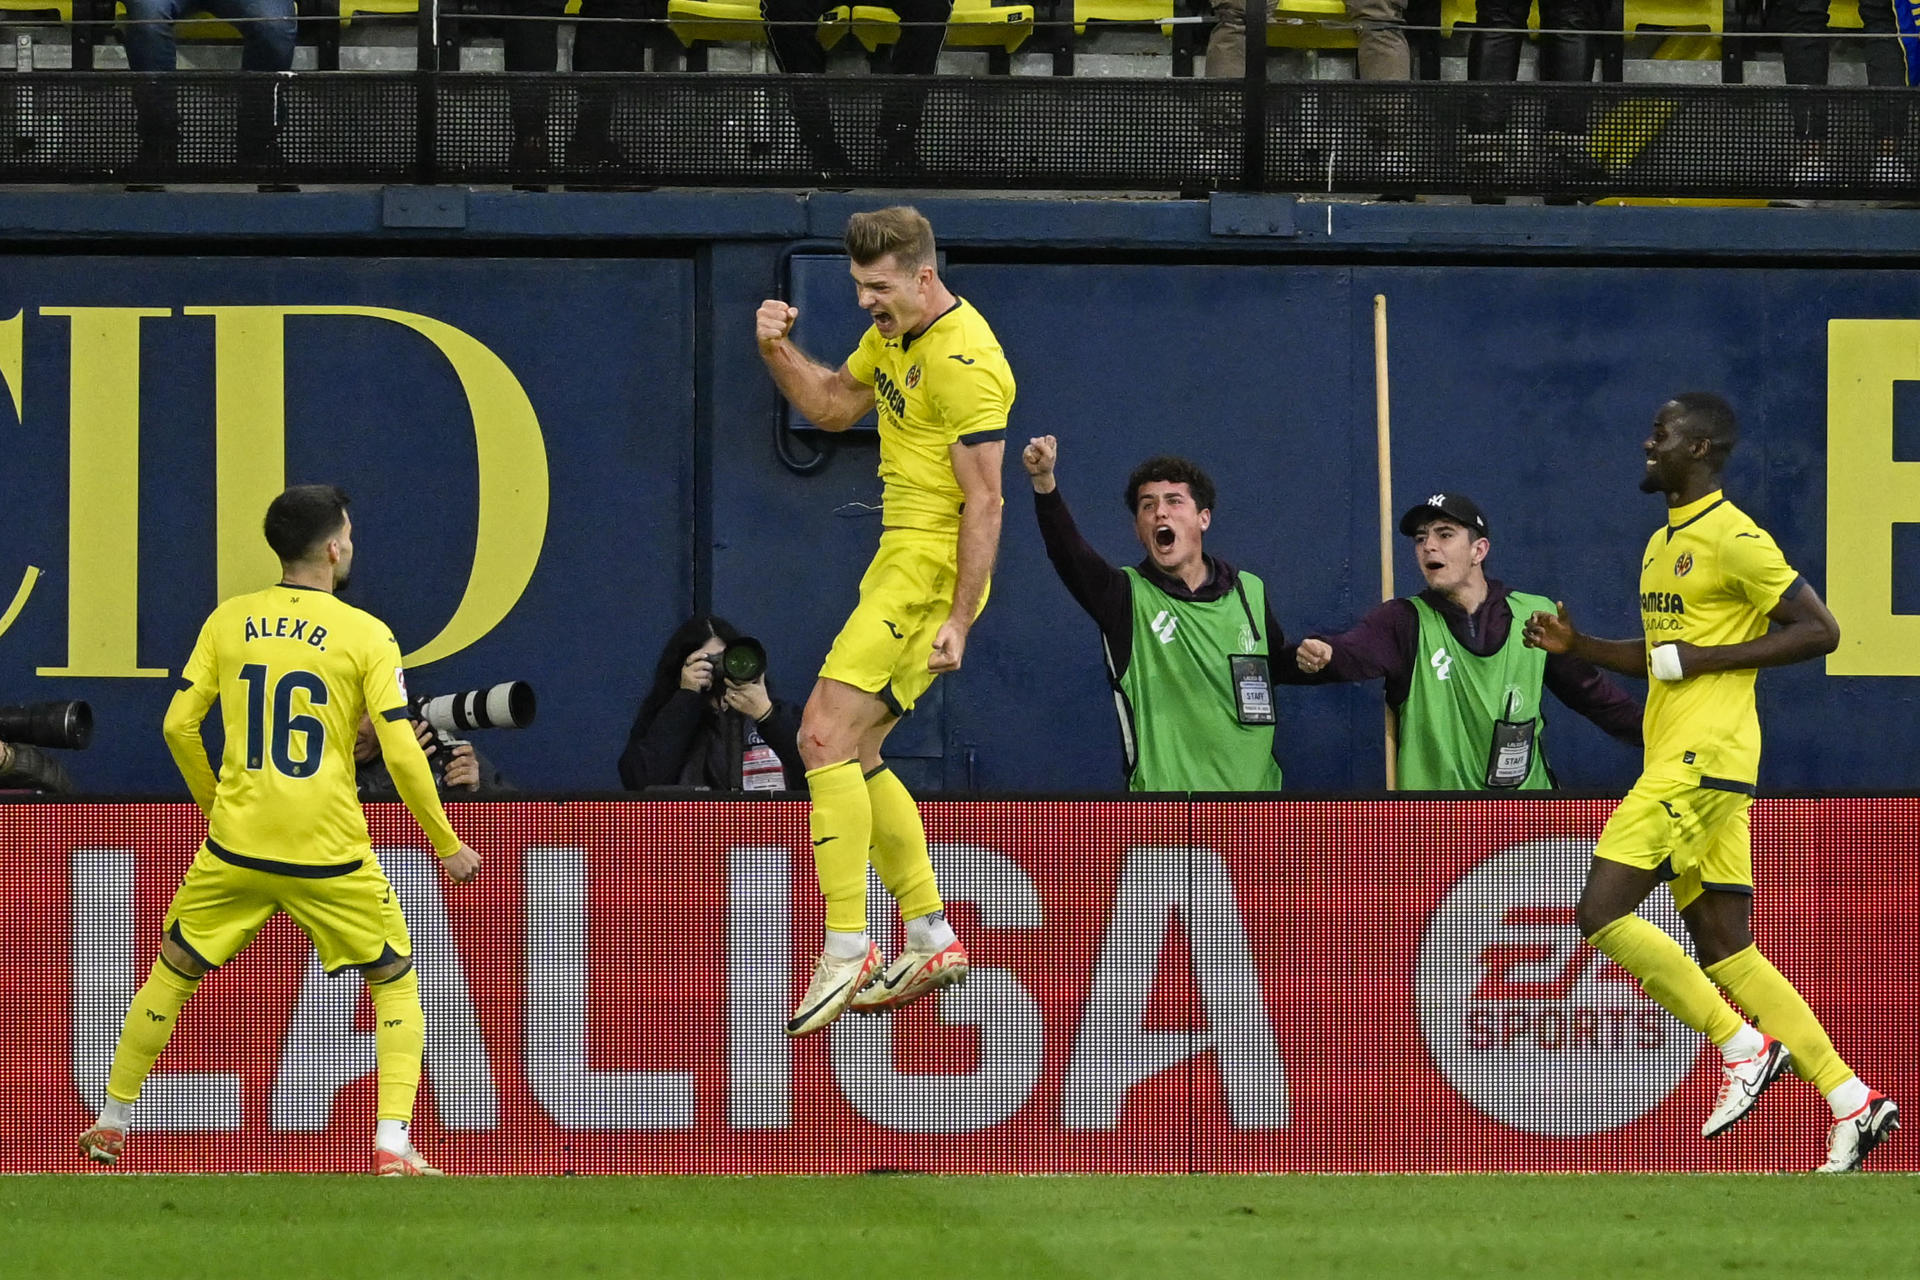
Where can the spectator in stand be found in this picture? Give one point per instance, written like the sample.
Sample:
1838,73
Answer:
610,36
1465,685
1566,54
267,33
1383,52
24,767
792,33
1804,46
697,728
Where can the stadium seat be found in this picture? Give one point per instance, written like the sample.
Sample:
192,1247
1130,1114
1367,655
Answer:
1707,17
698,22
351,9
49,12
1305,24
1844,15
1455,13
972,25
704,22
1133,11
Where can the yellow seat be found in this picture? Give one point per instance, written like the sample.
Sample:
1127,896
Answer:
1085,11
1454,12
1844,15
30,10
971,25
733,22
1311,24
1707,17
351,9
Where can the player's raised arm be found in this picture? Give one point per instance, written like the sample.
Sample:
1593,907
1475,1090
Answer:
831,399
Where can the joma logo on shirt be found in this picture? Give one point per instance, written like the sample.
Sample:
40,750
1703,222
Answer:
1164,624
1442,664
883,388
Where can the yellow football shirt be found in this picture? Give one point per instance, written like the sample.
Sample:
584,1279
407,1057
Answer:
950,383
294,669
1710,577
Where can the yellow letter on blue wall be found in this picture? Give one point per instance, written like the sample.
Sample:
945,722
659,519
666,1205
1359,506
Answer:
1868,493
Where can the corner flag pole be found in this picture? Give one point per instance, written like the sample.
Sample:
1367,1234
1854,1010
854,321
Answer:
1383,448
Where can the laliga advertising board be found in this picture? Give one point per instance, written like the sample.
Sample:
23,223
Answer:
1159,986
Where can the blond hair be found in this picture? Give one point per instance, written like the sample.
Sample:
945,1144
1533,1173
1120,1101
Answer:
899,230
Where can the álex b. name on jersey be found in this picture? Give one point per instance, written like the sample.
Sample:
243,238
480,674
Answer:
287,629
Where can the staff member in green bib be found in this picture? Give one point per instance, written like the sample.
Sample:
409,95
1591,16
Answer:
1467,689
1188,637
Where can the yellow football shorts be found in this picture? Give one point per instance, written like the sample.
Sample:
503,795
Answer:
1696,837
353,919
905,596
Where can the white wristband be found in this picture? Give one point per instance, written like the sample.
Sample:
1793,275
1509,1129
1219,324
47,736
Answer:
1665,663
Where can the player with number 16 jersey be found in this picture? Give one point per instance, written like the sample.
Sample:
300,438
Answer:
294,669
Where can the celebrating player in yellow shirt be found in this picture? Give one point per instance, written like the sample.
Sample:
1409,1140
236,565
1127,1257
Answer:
294,669
935,372
1710,581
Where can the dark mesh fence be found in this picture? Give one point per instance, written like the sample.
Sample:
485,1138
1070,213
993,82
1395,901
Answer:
1157,986
961,132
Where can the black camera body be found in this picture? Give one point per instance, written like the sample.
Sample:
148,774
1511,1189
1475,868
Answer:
67,726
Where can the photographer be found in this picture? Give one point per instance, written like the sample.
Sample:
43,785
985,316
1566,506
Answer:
26,732
28,768
698,728
459,771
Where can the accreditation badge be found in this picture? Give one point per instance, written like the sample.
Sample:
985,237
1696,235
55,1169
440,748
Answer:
1511,758
1252,687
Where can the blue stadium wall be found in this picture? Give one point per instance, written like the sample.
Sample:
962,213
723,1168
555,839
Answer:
559,441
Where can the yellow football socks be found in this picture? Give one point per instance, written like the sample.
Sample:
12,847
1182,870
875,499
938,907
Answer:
150,1018
842,826
399,1039
1668,976
1782,1013
900,846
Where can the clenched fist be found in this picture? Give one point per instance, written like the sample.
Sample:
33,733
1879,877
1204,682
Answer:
1038,458
774,321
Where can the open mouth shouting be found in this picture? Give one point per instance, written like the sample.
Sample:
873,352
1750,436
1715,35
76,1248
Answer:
1163,538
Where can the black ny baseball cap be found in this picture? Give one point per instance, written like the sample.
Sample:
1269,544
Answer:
1457,507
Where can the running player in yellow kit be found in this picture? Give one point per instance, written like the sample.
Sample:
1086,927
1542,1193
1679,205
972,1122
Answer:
294,669
1710,582
935,372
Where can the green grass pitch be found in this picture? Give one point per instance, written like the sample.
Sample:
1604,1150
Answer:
1698,1227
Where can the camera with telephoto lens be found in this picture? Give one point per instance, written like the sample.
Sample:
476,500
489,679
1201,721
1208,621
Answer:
509,705
64,725
743,660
